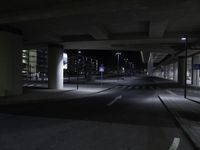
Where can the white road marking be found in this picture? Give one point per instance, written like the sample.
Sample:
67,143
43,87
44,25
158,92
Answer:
170,92
175,144
129,87
136,87
124,87
116,99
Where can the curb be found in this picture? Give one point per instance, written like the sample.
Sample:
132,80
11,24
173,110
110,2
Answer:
105,89
193,100
181,124
32,101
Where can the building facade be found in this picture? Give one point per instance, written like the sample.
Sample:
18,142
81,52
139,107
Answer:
35,64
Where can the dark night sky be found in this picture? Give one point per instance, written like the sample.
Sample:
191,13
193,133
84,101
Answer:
108,58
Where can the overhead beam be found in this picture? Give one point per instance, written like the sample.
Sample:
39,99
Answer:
118,45
157,28
158,57
36,10
99,33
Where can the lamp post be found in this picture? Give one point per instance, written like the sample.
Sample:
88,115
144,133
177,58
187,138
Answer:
185,39
118,55
77,77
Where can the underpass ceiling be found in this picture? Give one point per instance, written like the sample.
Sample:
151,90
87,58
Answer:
190,53
158,57
107,25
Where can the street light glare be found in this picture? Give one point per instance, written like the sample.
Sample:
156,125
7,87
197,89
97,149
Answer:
183,38
118,53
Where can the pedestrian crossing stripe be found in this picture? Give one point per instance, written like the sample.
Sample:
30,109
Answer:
130,87
144,87
136,87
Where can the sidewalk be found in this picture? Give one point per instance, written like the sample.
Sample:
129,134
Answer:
186,113
34,93
41,95
192,94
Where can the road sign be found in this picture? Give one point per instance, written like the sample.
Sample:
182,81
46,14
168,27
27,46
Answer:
196,66
101,68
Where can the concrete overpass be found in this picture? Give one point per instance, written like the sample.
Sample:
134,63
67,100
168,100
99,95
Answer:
155,28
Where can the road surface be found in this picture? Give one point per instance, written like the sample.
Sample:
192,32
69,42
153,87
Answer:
127,117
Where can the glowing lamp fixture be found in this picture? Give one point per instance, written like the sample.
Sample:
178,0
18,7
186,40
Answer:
183,38
118,53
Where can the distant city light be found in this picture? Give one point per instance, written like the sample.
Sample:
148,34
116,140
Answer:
24,61
126,60
183,38
65,61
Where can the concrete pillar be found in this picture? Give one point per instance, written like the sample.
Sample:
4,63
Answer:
55,67
150,65
175,72
165,72
162,71
168,71
10,63
195,74
181,70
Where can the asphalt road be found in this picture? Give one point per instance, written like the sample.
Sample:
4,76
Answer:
128,117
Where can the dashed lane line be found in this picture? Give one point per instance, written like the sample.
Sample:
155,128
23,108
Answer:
113,101
170,92
175,144
130,87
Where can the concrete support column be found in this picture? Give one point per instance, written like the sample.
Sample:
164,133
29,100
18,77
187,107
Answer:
196,73
150,65
162,71
55,67
10,63
165,72
175,72
181,70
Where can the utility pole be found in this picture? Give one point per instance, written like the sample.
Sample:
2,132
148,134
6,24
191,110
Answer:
77,78
118,56
186,55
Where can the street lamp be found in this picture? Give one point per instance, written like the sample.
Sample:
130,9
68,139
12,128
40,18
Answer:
118,55
185,39
77,77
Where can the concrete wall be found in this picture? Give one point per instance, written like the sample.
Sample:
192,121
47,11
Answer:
10,64
150,65
196,73
181,70
175,74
